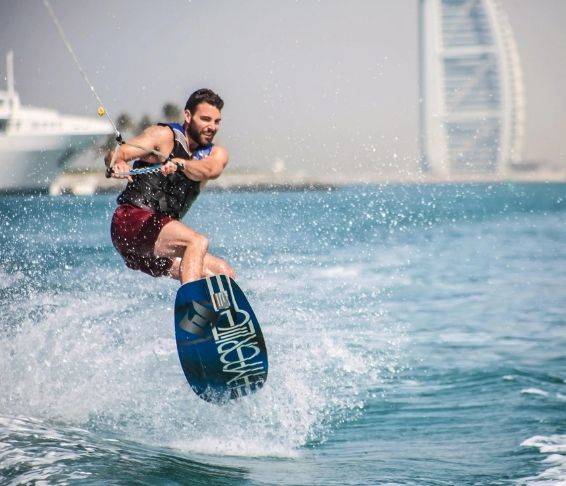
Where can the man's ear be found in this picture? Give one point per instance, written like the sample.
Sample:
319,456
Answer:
188,116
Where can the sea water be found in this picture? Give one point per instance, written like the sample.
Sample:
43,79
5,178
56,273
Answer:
415,333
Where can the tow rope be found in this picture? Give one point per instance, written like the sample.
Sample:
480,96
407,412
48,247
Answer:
102,111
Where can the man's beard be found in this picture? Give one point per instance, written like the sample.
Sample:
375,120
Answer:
195,135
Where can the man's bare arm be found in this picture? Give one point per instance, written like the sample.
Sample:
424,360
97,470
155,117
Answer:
152,138
205,169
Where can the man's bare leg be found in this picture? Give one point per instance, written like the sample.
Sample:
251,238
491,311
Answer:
216,266
188,249
175,270
178,240
212,266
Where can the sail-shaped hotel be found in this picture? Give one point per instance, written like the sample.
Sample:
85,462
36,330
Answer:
471,89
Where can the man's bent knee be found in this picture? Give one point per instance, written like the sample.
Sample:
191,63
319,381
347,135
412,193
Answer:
199,242
175,238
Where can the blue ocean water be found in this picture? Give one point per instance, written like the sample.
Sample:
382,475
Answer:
416,336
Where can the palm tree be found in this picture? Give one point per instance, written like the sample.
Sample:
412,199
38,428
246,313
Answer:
171,112
144,122
124,122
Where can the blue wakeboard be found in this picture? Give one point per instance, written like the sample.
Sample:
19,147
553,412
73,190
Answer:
219,341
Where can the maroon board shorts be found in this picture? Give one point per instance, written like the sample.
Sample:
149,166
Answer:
134,232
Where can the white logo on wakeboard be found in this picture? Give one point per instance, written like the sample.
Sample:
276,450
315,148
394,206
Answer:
237,348
198,319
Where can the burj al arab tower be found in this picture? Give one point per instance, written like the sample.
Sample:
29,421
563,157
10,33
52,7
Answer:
471,89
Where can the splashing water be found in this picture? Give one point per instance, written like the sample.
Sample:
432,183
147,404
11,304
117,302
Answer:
374,309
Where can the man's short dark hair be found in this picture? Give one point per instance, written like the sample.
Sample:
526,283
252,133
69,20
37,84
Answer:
203,96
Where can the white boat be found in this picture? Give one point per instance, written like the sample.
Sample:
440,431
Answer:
37,143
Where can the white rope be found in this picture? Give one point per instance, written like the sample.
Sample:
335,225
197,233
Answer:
102,110
77,63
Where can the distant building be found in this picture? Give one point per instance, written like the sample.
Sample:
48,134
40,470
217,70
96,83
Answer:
471,89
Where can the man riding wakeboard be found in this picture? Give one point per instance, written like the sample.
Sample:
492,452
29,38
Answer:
146,227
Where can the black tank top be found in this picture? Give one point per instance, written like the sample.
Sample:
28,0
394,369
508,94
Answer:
171,194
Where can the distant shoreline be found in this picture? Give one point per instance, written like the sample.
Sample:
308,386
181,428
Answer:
90,182
83,183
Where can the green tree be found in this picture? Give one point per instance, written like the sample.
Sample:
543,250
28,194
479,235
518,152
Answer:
145,121
124,122
171,112
109,143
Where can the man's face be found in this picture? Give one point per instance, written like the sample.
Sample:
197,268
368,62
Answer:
203,123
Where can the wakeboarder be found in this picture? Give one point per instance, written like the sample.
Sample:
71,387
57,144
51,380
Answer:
146,226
